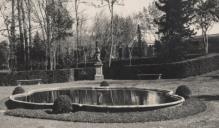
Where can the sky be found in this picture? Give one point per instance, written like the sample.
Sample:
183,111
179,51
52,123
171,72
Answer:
133,6
130,7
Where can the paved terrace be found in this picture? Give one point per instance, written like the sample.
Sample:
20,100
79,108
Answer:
207,84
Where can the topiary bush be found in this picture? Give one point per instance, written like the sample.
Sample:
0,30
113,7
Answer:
18,90
62,104
183,91
104,84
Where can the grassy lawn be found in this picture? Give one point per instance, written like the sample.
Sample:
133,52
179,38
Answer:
188,108
205,87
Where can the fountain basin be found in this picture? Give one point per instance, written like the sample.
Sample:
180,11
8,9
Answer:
99,98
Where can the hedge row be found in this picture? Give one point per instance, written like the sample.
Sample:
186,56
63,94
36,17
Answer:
146,60
190,67
55,76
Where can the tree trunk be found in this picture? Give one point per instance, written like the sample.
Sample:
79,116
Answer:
13,38
48,41
77,32
130,56
29,29
205,41
112,41
206,48
26,61
20,58
54,59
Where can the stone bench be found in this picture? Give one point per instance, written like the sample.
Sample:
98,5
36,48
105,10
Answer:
158,76
38,81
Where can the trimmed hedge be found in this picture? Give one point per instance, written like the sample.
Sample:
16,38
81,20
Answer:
62,105
104,84
84,73
18,90
183,91
55,76
182,69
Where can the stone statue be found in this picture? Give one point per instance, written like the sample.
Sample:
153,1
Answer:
98,65
97,55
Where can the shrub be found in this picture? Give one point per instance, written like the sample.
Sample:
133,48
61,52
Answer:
18,90
183,91
104,84
62,104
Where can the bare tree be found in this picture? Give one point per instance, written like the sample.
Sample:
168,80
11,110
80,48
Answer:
76,7
82,36
41,18
25,41
21,47
8,29
100,28
29,6
79,23
205,18
124,31
111,4
147,20
54,21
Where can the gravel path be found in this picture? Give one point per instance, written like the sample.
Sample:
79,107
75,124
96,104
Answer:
201,85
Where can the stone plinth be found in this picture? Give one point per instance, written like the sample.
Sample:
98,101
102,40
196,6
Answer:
99,71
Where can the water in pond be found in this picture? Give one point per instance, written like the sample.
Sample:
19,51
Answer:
106,96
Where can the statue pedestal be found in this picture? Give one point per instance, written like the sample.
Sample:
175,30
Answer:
99,71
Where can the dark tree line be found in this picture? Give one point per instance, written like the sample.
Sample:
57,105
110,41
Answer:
175,25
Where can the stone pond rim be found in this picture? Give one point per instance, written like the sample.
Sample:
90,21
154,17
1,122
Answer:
165,97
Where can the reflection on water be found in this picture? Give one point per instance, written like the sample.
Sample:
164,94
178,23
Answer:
106,96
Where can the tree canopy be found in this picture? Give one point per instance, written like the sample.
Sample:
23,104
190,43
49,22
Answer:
174,26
